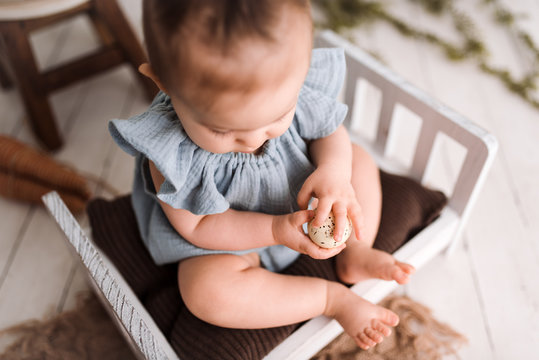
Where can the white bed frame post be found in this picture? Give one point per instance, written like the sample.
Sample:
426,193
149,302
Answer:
140,329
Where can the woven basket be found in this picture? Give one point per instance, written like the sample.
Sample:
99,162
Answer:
27,174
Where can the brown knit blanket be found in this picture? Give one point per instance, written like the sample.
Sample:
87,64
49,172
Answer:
88,333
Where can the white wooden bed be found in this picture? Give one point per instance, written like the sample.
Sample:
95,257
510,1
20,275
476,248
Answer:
384,123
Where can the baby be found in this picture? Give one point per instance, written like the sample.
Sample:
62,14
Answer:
245,131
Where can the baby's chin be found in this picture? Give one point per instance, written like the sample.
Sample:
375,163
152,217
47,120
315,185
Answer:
254,151
243,150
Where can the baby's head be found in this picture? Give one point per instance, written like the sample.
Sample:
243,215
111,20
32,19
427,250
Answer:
232,68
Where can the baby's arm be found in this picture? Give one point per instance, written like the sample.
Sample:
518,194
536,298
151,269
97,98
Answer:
334,151
235,230
331,182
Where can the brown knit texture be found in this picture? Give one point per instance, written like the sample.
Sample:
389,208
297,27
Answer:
407,208
418,336
27,174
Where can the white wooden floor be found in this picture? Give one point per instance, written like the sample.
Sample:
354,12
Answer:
488,289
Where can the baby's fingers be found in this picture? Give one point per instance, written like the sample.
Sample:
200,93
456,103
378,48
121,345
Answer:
341,221
322,212
358,222
304,196
316,252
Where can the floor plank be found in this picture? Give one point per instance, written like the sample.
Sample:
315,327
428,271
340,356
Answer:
506,272
14,220
36,276
447,286
12,112
78,286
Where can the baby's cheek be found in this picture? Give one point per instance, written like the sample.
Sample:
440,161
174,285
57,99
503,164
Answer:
280,128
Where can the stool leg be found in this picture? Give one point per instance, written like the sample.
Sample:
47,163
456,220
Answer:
113,17
31,87
107,39
5,77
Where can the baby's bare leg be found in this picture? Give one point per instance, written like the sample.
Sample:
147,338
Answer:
359,261
234,291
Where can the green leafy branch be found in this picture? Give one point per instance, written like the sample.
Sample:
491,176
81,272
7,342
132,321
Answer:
341,15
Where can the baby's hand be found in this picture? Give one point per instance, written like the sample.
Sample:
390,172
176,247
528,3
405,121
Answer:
287,230
333,193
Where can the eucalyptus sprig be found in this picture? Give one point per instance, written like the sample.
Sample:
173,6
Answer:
341,15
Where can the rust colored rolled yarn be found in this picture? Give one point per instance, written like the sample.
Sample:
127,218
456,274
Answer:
27,174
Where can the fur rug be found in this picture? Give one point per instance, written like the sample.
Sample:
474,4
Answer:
419,336
88,333
85,332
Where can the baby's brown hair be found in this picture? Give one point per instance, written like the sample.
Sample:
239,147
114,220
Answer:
170,25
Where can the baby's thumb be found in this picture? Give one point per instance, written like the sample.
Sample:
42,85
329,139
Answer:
304,196
303,216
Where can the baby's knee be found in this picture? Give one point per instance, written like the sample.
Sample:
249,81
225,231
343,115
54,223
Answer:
363,156
204,287
199,288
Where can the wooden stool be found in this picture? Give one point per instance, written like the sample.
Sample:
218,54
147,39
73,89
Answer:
20,17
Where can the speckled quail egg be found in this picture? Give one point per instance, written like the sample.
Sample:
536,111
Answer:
323,235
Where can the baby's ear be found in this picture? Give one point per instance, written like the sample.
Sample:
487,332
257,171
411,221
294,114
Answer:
146,70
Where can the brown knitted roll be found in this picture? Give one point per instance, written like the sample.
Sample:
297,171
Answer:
27,174
26,190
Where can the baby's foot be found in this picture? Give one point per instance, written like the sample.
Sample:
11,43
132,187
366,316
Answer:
366,323
359,262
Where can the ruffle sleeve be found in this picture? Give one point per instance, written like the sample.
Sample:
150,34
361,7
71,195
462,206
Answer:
189,171
318,113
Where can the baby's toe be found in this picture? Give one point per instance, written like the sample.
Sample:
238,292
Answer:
399,275
361,344
386,317
363,338
384,330
407,268
374,335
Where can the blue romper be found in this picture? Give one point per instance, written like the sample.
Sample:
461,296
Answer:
207,183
